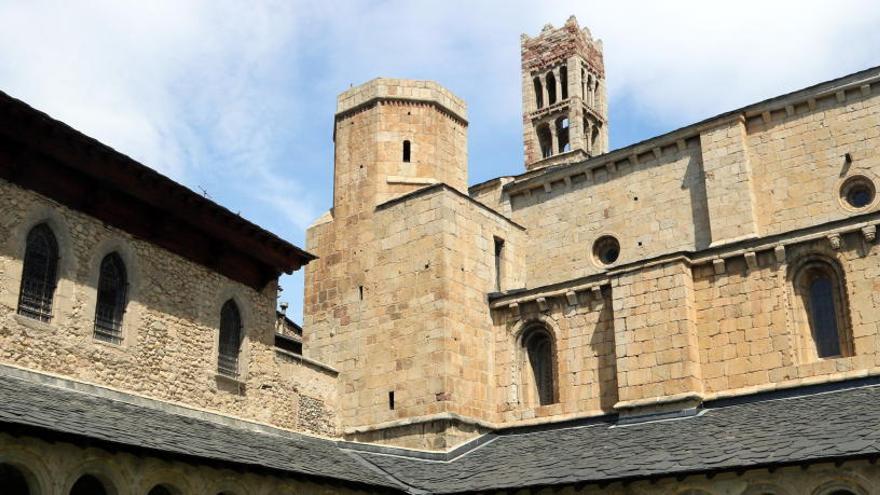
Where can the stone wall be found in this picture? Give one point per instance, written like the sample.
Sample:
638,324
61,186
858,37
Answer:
586,367
170,328
417,326
799,156
652,207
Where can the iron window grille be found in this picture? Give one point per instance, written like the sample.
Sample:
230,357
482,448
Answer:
110,308
39,274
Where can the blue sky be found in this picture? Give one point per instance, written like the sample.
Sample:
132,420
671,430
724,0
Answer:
237,98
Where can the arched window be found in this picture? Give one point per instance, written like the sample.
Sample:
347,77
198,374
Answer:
551,88
13,481
563,82
594,139
538,354
562,134
545,140
406,151
230,339
39,274
88,485
819,285
539,92
110,307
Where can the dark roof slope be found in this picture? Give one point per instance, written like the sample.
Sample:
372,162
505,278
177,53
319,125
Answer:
47,408
805,425
45,155
833,425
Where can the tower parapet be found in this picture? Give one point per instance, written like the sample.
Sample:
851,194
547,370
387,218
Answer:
565,108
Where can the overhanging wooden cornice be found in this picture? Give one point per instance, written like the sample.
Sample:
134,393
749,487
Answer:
49,157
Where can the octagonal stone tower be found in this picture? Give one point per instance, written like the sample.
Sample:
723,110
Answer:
565,108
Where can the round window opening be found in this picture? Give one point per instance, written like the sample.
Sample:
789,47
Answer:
857,192
606,250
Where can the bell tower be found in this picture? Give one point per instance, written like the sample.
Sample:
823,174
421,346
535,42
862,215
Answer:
565,108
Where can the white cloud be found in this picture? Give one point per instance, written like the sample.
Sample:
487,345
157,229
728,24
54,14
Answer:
238,96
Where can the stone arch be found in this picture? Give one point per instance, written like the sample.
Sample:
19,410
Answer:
134,283
234,293
537,339
765,489
550,81
173,477
821,307
841,485
67,265
545,140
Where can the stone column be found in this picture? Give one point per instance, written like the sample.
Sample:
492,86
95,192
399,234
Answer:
728,175
554,144
558,84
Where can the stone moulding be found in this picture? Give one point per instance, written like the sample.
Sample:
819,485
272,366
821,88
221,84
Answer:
863,225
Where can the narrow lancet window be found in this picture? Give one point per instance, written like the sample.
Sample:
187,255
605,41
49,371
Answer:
539,92
110,307
230,339
824,316
499,266
563,82
406,151
551,88
538,348
821,291
545,140
39,274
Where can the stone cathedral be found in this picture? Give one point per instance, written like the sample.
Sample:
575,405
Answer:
694,314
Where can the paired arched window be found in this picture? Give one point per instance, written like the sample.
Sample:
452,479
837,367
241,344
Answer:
539,365
819,284
111,301
562,135
39,274
230,339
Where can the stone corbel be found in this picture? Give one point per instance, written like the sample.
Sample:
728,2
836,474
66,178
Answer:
542,303
547,187
682,145
866,89
751,260
571,297
779,254
719,266
834,240
514,309
869,233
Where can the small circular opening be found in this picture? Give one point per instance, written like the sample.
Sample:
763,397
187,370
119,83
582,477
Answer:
857,192
606,250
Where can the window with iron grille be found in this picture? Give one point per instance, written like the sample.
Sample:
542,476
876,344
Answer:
39,276
230,339
110,308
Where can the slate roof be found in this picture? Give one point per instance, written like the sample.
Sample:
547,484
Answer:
725,436
72,412
806,425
